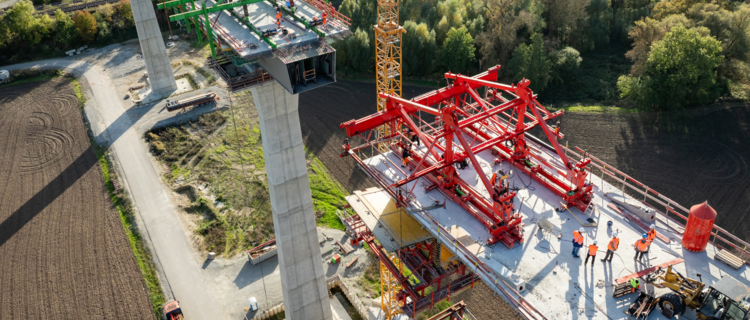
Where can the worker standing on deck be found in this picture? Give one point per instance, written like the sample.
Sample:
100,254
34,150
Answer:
325,18
612,247
406,156
278,18
641,246
635,283
577,241
592,253
651,235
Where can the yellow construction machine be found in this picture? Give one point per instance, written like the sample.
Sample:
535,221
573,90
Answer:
726,299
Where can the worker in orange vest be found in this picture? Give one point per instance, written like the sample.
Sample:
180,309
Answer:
577,241
406,156
651,235
612,247
641,246
278,19
325,19
592,254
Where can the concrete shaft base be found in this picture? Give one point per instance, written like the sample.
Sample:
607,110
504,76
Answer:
302,276
159,70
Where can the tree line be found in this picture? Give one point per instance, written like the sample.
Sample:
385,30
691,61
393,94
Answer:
676,53
26,35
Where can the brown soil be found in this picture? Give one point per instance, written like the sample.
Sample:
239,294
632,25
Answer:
691,156
64,251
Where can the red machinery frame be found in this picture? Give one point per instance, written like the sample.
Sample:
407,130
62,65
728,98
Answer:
464,128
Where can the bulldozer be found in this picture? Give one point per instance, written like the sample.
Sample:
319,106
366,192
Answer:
726,299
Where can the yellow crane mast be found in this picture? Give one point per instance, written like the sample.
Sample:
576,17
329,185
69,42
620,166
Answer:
388,35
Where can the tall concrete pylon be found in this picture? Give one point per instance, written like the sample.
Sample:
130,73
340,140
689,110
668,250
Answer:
160,73
302,277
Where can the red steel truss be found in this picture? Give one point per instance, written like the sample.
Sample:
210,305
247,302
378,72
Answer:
473,114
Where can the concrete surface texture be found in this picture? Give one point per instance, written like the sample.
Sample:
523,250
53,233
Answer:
159,70
576,291
302,274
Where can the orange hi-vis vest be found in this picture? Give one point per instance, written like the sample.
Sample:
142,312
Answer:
578,237
592,249
641,245
651,235
613,244
493,180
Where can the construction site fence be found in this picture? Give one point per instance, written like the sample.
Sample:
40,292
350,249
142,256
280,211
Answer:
335,281
673,214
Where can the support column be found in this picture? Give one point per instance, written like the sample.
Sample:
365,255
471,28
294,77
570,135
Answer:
302,276
159,70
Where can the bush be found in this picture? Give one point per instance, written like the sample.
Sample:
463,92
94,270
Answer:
85,24
457,53
531,62
565,63
157,147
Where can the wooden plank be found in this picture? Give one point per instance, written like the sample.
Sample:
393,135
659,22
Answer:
637,221
729,259
649,270
351,263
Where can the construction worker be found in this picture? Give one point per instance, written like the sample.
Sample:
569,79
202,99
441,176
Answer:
325,19
406,156
557,128
592,253
651,235
635,283
641,246
614,243
577,241
278,19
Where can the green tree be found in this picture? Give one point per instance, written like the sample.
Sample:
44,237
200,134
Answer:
565,63
27,26
65,28
125,13
105,32
600,14
645,33
457,53
419,48
680,70
531,62
5,35
358,51
86,25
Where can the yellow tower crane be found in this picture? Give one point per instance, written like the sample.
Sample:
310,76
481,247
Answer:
388,35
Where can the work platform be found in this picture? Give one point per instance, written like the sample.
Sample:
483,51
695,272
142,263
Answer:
540,275
297,53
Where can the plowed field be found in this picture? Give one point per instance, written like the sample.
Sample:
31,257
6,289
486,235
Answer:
63,250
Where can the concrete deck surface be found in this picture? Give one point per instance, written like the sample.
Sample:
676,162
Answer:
576,291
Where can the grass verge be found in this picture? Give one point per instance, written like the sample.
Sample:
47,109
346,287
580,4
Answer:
127,217
595,109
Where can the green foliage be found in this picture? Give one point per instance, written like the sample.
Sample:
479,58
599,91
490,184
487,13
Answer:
27,26
65,29
565,63
531,62
327,194
419,42
600,16
5,35
457,53
354,52
86,25
105,32
124,12
680,70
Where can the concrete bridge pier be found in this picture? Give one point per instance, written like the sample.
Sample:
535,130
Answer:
302,276
160,74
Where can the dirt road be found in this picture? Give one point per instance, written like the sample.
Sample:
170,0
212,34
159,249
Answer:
64,252
181,267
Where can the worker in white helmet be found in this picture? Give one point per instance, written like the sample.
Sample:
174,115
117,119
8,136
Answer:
577,241
592,253
614,243
651,236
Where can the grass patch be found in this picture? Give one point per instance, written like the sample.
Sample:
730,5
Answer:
223,151
31,75
127,217
190,80
595,109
